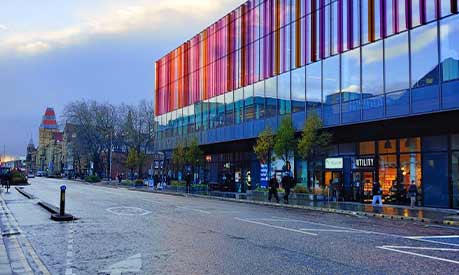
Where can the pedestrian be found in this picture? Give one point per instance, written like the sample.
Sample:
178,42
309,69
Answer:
413,192
272,187
156,181
286,184
119,178
188,182
377,194
357,190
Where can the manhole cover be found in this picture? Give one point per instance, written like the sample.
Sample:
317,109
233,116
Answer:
128,211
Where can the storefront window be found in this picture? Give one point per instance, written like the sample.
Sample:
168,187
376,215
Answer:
387,172
410,169
387,146
367,148
455,142
455,178
410,145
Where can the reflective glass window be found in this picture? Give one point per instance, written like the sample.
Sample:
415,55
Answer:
220,120
424,56
239,106
271,96
314,87
249,103
397,62
259,99
285,105
330,91
372,69
449,35
350,75
229,108
298,90
331,80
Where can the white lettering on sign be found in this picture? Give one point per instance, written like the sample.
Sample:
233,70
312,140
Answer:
366,162
334,163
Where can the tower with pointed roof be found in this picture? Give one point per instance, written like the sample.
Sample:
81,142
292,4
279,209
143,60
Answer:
31,157
49,144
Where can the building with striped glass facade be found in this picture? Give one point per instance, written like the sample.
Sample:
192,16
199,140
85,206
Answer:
382,74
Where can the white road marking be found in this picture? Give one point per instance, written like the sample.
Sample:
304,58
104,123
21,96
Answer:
195,209
277,227
128,211
427,239
69,256
329,230
344,228
397,249
131,264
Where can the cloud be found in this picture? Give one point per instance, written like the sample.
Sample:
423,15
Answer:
162,17
3,27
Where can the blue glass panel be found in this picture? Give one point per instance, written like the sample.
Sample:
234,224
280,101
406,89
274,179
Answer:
435,179
351,111
425,99
424,56
272,122
331,114
449,51
450,94
397,104
373,107
298,120
437,143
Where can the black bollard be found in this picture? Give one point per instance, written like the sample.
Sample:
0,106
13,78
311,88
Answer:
62,212
62,216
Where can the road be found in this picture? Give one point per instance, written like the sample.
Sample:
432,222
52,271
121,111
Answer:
127,232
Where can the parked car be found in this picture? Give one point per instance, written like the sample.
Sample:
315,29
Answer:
30,176
40,174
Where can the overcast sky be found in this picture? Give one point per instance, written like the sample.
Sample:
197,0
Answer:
53,52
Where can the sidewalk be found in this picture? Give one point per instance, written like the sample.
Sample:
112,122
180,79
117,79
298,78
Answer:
398,212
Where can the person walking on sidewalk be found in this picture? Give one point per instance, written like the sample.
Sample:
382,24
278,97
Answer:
287,185
272,187
188,181
413,192
377,194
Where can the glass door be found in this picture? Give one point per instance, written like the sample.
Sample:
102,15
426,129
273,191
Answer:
362,184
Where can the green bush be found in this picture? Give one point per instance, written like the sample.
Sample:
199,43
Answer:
301,189
138,181
178,183
92,179
18,178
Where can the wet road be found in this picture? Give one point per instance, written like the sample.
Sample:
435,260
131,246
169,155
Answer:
127,232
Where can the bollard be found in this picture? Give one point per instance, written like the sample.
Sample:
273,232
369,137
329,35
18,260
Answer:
62,208
62,216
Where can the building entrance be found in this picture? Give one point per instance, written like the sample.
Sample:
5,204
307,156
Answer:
361,185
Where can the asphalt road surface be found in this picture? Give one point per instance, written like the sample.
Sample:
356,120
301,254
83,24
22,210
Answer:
127,232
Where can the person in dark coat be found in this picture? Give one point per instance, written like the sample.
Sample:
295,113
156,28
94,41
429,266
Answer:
377,194
188,181
287,185
272,187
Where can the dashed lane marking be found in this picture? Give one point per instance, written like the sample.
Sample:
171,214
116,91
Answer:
69,255
399,250
452,240
276,227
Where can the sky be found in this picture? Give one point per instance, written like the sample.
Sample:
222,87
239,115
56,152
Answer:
53,52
